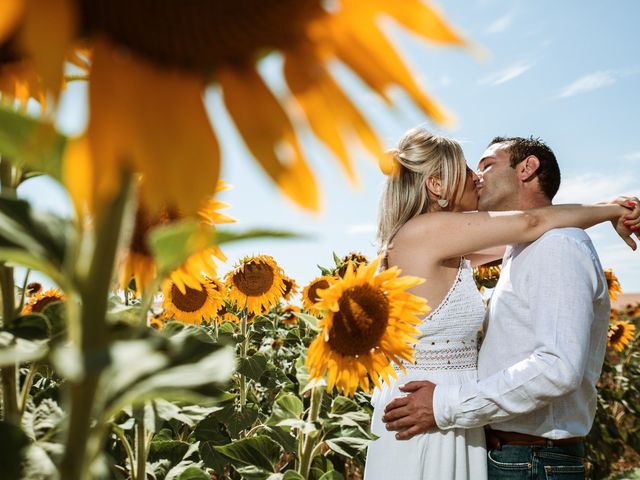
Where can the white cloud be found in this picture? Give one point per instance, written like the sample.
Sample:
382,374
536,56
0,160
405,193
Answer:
362,229
500,24
632,156
592,187
506,75
590,82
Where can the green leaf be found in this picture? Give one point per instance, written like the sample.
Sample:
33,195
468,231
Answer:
35,240
13,441
172,244
226,236
33,326
17,350
184,366
286,406
27,141
332,475
194,473
259,451
347,446
254,366
172,450
341,405
310,320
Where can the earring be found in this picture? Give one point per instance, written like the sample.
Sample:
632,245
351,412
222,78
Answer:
443,202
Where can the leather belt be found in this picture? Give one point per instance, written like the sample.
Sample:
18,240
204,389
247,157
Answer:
497,438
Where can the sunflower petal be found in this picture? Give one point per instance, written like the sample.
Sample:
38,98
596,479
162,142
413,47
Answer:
10,13
153,122
269,134
328,109
47,51
363,47
418,17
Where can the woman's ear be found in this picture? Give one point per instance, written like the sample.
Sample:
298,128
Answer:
434,186
528,168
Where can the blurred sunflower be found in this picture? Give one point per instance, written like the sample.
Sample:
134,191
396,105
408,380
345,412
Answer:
310,295
138,262
287,315
194,305
157,322
256,284
152,59
487,276
613,284
290,288
370,323
33,288
632,311
354,257
621,334
40,300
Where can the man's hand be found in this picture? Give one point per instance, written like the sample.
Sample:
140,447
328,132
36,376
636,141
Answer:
412,414
628,223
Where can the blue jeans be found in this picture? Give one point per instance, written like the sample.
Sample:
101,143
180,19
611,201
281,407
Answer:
523,462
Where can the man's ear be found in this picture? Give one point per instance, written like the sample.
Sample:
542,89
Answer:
434,185
528,168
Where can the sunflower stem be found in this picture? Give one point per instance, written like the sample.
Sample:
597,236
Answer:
243,355
9,374
26,388
84,441
24,289
310,440
127,448
141,448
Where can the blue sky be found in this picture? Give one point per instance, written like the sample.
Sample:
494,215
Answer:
566,71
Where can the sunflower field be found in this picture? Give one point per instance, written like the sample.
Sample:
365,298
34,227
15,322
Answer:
138,359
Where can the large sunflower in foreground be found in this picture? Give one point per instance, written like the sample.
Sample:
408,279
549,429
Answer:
138,262
40,300
613,284
152,59
621,334
192,306
370,324
255,284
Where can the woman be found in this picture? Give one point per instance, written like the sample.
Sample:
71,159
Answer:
423,230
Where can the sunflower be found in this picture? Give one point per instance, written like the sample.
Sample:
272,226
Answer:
33,288
255,284
621,334
192,306
290,288
613,284
370,324
138,262
632,311
287,315
152,59
310,296
40,300
157,322
487,276
354,257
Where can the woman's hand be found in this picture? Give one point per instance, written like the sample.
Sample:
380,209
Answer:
629,222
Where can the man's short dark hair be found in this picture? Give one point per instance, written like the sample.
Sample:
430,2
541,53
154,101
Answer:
520,148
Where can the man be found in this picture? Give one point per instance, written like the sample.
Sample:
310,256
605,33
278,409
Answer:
545,335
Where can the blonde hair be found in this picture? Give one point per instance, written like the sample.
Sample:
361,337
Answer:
419,156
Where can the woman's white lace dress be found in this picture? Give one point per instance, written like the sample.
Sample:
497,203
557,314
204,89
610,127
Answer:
446,354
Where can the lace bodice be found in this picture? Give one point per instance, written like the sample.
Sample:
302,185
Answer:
449,332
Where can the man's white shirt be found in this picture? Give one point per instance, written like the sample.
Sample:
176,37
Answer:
545,340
